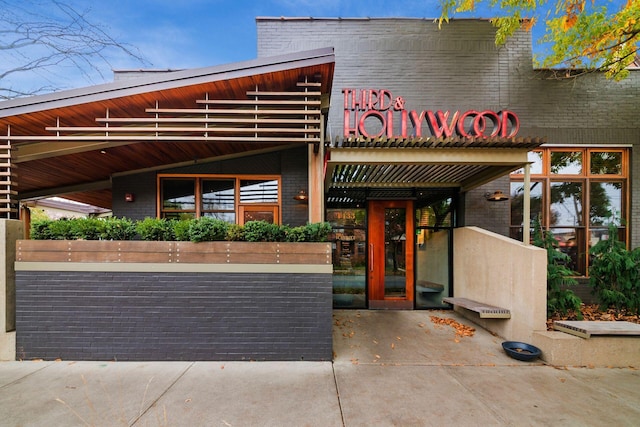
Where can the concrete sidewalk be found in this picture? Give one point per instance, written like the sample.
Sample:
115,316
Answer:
390,369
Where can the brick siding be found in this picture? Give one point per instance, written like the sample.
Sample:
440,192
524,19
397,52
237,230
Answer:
460,68
290,164
170,316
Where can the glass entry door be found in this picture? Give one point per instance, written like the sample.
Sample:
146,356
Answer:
391,233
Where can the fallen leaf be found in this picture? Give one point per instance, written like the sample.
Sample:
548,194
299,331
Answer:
393,346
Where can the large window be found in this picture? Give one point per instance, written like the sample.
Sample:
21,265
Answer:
576,193
232,199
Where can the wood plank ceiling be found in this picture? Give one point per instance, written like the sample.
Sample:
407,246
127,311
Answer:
74,149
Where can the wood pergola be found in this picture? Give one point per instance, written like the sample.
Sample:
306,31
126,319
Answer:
71,143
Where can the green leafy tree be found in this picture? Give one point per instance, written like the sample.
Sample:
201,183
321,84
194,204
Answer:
614,274
585,35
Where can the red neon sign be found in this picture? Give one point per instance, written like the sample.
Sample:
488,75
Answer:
374,113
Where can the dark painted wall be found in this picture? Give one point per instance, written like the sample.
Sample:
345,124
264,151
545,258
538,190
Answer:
459,67
290,164
171,316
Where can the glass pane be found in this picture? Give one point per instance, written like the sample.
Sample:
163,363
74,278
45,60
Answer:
395,247
598,234
566,162
566,204
265,215
346,217
606,162
436,215
432,267
535,158
571,241
605,203
218,195
259,191
517,202
348,239
178,194
229,217
179,215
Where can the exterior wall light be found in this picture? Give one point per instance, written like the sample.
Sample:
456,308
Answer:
129,197
497,196
301,196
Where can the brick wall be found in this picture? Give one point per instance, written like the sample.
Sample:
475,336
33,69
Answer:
290,164
170,316
460,68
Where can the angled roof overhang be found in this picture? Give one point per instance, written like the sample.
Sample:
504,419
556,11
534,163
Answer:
73,142
401,164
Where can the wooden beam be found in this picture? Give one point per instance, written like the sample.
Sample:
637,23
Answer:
312,102
450,156
160,120
232,111
147,129
46,192
309,93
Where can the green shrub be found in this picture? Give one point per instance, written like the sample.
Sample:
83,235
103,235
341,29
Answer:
181,229
87,228
296,234
262,231
559,277
614,273
318,232
235,233
61,230
155,229
208,229
40,229
119,229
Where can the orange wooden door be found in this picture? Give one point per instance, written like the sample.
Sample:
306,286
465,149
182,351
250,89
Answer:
391,232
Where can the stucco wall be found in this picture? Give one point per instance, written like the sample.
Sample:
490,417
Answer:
495,270
10,231
460,68
75,315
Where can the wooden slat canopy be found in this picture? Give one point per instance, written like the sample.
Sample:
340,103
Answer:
396,163
71,143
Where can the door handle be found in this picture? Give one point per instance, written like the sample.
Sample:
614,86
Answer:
371,257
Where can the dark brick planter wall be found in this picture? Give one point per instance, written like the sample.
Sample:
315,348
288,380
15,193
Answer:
173,316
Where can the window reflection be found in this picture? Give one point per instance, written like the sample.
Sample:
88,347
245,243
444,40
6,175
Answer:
218,195
348,242
566,162
580,205
259,191
535,159
566,204
606,163
179,194
606,203
517,202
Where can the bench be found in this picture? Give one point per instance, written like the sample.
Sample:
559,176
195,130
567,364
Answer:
484,310
586,328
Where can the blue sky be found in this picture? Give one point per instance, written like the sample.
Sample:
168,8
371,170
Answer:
197,33
193,33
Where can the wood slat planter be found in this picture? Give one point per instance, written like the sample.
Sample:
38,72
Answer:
172,252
